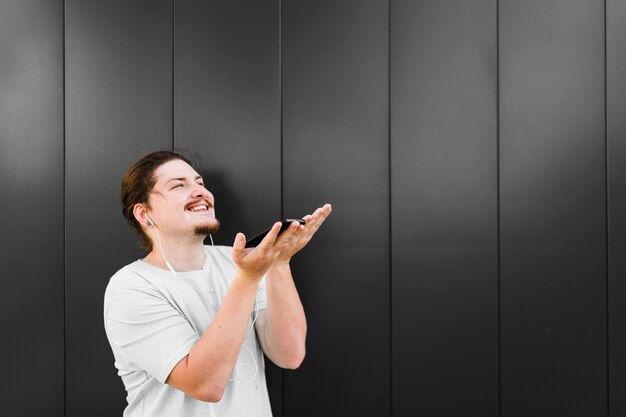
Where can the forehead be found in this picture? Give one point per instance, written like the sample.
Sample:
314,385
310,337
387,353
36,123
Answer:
175,168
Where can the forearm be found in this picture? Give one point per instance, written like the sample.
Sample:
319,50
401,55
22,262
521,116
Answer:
282,328
285,328
204,373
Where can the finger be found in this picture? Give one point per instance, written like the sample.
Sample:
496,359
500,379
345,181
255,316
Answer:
317,218
270,238
239,247
289,234
325,212
295,226
321,212
304,227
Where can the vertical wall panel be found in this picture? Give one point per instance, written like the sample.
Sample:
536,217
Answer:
227,109
227,106
444,208
553,259
31,186
119,108
335,121
616,135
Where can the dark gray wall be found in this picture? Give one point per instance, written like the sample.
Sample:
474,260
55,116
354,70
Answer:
31,213
553,208
118,108
616,188
473,153
335,148
227,108
444,206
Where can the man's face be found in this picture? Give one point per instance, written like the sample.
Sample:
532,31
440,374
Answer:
179,203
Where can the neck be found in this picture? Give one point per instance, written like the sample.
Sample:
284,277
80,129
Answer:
183,255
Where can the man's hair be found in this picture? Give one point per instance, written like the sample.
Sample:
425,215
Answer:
136,186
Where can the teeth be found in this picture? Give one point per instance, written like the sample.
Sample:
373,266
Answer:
196,208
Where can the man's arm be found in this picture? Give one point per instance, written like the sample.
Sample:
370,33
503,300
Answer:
282,327
204,372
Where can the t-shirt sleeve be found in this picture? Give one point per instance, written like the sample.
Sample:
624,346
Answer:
147,331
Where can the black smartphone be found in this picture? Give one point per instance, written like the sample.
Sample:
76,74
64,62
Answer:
251,243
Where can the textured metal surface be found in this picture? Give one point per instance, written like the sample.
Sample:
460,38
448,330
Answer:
444,208
212,84
553,235
119,108
227,110
616,135
335,125
31,213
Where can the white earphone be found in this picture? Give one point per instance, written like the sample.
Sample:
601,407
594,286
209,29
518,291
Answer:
151,223
254,369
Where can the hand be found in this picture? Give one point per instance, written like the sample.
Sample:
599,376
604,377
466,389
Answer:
302,234
253,263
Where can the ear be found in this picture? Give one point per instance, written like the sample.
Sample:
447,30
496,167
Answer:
141,215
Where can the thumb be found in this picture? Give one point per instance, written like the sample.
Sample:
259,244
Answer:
238,247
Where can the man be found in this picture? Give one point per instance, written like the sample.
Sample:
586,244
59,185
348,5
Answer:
188,324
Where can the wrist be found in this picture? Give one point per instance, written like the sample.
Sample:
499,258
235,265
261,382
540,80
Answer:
278,264
248,277
279,269
282,262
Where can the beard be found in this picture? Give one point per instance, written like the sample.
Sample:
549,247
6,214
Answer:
206,229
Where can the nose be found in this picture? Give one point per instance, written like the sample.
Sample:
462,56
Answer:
200,191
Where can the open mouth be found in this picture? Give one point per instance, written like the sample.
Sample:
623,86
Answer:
198,207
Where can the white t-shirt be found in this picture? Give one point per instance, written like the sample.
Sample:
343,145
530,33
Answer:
153,319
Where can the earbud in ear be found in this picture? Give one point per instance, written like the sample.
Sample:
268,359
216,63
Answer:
149,224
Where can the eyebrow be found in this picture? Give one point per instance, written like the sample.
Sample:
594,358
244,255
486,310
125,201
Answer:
199,177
